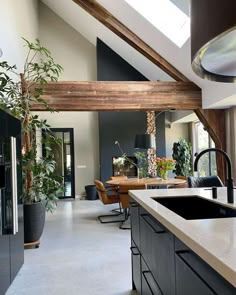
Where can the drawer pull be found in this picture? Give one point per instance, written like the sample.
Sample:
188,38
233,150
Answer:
134,253
133,205
145,217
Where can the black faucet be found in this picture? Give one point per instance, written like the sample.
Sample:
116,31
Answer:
230,182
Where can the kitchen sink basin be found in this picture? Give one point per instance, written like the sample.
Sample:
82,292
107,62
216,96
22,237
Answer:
194,207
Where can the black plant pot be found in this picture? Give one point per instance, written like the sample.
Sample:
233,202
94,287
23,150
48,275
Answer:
34,220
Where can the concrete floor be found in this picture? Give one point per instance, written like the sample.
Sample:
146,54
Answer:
78,255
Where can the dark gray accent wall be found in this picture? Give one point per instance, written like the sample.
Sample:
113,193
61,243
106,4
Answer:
120,126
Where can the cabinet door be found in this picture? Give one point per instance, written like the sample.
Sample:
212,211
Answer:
17,246
136,268
134,219
187,280
149,285
4,264
157,248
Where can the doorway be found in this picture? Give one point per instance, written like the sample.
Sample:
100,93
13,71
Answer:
64,157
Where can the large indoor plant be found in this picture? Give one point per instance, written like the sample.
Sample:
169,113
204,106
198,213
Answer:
182,154
18,92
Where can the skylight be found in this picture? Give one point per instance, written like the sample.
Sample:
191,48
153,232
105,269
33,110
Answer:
166,17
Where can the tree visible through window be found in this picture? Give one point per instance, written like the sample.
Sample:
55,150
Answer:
207,163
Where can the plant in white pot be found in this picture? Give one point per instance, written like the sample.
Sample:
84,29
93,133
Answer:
18,92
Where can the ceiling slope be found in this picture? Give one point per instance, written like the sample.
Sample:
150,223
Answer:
214,94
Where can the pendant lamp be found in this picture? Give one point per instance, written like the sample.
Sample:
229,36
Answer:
213,39
144,141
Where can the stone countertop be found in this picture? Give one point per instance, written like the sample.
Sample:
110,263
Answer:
214,240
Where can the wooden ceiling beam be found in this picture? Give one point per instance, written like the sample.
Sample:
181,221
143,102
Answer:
117,96
112,23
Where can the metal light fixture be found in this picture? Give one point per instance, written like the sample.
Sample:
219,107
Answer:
213,39
144,141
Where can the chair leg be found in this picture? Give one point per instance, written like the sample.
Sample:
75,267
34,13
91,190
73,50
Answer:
118,210
110,221
127,215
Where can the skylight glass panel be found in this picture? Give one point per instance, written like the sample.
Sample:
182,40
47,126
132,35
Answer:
166,17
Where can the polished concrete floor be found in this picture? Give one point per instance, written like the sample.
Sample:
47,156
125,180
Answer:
78,255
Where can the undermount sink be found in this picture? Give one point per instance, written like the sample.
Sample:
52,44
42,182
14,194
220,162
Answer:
194,207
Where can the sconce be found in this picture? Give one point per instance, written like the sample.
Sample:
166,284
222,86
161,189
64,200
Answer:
213,39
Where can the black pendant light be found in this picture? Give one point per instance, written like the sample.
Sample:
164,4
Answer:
213,39
144,141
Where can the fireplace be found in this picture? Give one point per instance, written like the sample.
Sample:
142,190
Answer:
124,166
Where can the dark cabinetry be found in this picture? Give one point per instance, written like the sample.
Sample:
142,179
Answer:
162,264
11,210
157,249
195,276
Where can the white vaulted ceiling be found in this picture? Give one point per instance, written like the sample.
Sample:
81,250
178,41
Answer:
215,94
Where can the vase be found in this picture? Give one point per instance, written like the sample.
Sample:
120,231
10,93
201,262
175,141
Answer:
163,174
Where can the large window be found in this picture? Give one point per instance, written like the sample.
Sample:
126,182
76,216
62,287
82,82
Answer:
166,17
207,163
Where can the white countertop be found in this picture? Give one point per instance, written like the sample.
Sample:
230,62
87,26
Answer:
214,240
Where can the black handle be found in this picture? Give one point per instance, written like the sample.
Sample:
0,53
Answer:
145,217
132,250
133,205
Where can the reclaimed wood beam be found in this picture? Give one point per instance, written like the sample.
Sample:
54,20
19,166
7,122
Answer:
118,96
112,23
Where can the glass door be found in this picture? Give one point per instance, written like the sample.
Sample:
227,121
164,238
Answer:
64,157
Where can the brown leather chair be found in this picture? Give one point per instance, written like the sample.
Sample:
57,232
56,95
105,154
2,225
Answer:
108,196
125,198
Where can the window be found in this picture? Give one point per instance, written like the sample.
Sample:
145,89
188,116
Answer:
166,17
207,163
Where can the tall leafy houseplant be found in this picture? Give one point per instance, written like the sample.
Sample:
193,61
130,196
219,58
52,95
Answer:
18,92
182,154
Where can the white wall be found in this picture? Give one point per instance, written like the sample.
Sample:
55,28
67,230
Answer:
78,58
17,19
85,143
173,134
68,47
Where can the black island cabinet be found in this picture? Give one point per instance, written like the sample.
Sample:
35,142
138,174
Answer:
11,209
162,264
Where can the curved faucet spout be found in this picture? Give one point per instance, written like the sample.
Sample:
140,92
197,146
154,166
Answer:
230,184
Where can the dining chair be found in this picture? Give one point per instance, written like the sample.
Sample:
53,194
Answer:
125,199
207,181
108,196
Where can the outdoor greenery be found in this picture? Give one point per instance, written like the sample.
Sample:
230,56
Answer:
18,92
182,154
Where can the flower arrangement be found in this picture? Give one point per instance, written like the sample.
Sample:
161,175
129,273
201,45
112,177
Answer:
163,165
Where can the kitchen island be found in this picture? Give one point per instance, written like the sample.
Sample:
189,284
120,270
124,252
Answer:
173,255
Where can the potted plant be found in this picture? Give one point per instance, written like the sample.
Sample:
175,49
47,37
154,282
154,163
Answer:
18,92
182,154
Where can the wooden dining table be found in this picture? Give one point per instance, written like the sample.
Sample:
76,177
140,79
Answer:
149,182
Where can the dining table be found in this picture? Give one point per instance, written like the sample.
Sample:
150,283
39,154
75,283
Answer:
148,182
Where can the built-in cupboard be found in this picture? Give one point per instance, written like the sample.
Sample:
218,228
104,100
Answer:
11,208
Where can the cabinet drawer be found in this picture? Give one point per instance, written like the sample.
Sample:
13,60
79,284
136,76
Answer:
157,248
136,267
187,280
149,285
203,270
